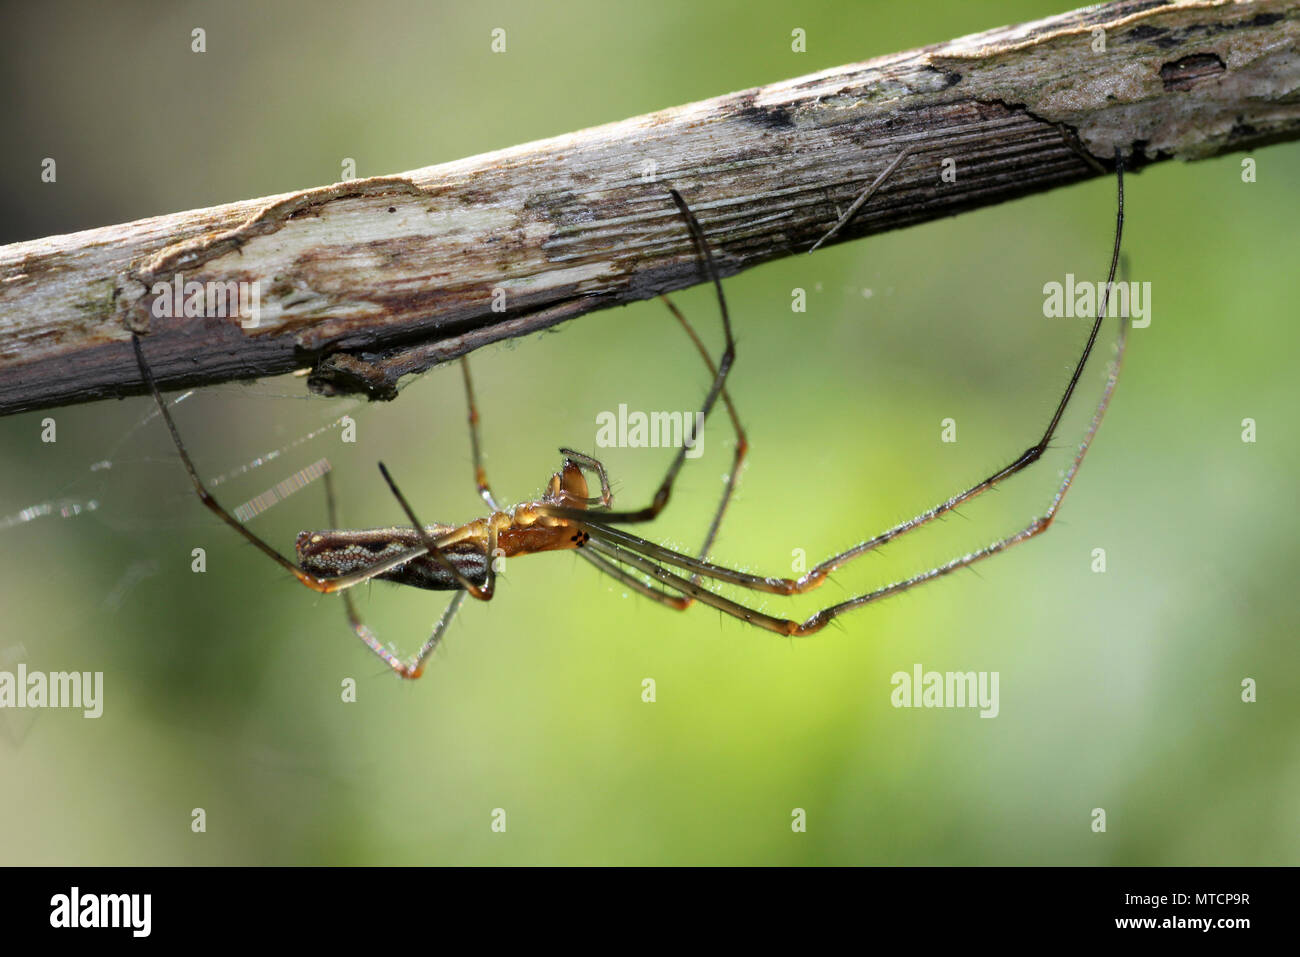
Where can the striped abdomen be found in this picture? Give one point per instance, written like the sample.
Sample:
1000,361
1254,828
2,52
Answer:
330,554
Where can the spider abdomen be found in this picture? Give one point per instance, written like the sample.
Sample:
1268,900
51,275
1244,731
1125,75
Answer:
334,553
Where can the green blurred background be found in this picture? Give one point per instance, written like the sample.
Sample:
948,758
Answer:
1118,690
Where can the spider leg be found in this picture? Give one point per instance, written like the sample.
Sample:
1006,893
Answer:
480,475
690,588
594,465
649,512
403,669
604,565
631,581
434,546
625,543
1071,140
819,620
742,446
476,447
865,195
742,441
315,583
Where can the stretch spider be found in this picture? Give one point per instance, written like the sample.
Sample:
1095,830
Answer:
566,517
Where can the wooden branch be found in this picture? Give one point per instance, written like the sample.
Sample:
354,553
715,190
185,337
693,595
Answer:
371,279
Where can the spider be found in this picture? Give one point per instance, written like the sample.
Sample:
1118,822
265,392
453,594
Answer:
566,517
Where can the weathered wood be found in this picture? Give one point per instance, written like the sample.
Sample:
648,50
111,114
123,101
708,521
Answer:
370,279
